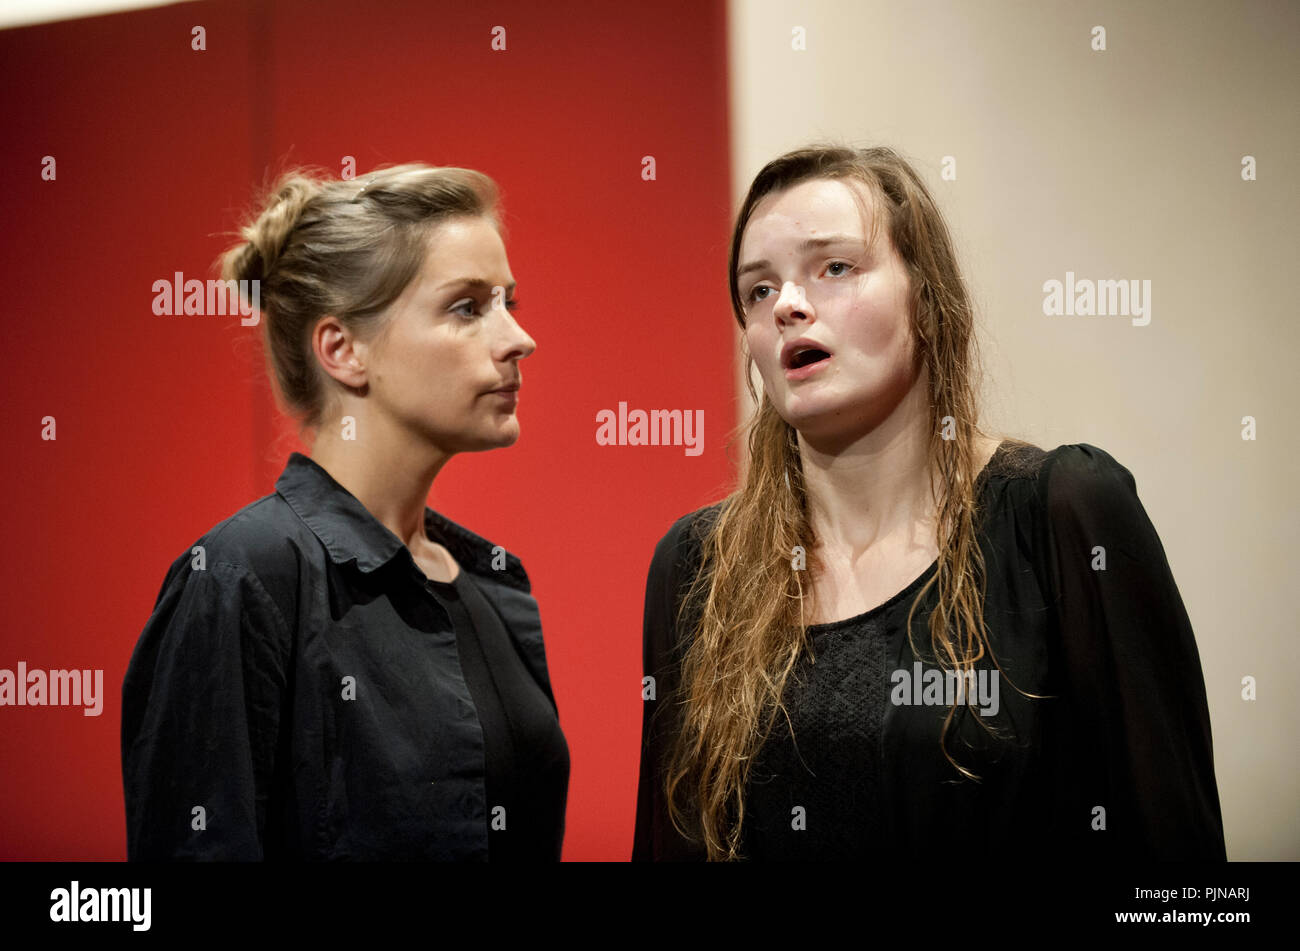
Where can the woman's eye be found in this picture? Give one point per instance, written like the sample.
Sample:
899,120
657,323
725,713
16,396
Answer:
468,308
840,264
753,298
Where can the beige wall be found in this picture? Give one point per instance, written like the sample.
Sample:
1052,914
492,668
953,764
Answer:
1120,164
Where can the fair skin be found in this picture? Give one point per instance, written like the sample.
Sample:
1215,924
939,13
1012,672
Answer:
860,405
435,380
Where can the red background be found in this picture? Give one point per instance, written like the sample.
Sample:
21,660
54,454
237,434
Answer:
167,425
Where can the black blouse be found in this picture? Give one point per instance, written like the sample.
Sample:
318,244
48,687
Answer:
300,692
1079,603
525,754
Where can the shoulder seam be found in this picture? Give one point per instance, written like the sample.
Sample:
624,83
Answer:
245,572
220,528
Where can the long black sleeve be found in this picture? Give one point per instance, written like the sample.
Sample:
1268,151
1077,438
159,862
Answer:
671,570
1132,670
201,705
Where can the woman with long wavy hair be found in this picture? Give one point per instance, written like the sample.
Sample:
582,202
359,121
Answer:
899,636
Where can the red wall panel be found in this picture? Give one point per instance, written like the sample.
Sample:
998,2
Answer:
166,425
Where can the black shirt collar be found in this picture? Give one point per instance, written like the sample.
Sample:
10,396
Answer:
350,533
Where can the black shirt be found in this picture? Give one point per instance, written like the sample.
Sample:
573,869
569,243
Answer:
1128,730
521,737
298,693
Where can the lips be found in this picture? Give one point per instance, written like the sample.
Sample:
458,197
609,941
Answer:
801,353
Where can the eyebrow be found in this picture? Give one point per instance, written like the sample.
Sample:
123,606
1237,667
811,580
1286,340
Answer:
477,283
809,244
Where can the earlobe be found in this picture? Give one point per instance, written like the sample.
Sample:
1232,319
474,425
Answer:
339,355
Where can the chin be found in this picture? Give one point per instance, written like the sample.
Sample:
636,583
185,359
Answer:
497,436
506,435
829,420
814,415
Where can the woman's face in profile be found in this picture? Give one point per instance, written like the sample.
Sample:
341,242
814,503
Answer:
827,320
446,361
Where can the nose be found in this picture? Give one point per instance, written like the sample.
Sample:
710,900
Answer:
518,343
792,304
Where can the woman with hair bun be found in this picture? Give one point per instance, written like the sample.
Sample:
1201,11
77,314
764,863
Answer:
337,671
1056,708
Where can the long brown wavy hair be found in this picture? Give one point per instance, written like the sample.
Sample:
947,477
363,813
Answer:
747,597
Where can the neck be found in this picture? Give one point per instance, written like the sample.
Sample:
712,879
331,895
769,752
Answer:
388,471
877,484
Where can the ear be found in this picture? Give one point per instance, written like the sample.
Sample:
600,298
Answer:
338,352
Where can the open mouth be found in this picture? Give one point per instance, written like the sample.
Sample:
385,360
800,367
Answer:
806,356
